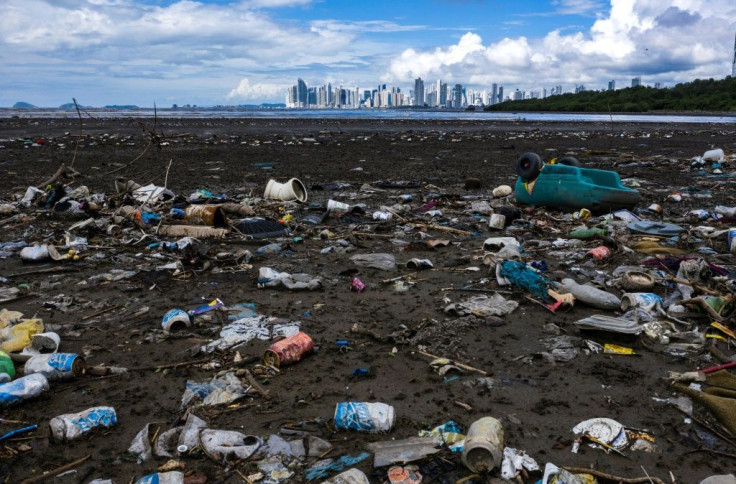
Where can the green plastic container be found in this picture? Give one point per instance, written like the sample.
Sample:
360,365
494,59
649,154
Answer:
7,368
571,187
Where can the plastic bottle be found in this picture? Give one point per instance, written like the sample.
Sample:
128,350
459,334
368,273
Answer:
22,389
590,295
483,449
56,366
73,425
173,477
586,234
7,368
364,416
726,211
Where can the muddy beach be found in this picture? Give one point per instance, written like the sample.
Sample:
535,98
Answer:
539,398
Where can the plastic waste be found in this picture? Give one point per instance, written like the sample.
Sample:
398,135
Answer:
714,155
22,389
404,475
15,338
7,368
384,262
514,461
268,277
141,445
229,443
639,300
591,295
721,479
601,322
172,477
351,476
484,443
71,426
56,366
293,189
406,450
364,416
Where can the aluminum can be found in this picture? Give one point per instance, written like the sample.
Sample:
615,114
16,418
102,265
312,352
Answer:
364,416
357,285
599,253
73,425
288,350
633,300
7,368
175,319
22,389
56,366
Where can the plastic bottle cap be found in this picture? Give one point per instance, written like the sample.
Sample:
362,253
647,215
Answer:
182,449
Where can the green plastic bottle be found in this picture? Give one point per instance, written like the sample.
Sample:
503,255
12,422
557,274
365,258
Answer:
586,234
7,368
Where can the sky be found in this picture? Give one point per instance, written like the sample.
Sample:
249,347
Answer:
230,52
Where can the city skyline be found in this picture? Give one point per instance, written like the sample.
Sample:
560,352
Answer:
225,52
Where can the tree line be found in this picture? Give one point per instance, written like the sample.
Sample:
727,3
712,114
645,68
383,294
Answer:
700,95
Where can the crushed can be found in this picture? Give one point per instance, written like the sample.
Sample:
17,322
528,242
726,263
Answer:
357,285
364,416
7,367
633,300
73,425
56,366
288,350
23,388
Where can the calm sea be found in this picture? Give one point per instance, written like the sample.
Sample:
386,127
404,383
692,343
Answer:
388,114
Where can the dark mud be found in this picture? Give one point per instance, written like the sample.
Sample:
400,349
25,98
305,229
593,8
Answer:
538,401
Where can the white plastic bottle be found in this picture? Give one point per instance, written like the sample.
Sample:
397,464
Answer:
73,425
590,295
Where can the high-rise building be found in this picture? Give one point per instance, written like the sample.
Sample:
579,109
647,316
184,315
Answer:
457,96
442,94
494,93
301,93
500,94
658,85
636,81
418,92
612,85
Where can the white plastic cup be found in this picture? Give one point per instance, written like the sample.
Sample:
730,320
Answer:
714,155
335,206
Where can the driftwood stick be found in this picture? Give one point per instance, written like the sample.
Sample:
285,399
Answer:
442,228
357,329
57,471
459,365
611,477
81,129
172,365
257,386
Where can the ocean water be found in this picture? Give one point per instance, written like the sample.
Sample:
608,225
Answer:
386,114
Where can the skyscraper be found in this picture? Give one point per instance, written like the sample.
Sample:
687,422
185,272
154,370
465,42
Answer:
500,94
301,93
636,81
418,92
494,93
612,85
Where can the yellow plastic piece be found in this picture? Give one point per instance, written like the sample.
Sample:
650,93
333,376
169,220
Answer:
15,338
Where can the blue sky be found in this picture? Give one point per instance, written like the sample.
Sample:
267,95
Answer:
210,52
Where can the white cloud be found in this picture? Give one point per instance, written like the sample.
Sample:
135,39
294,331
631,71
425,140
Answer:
662,40
258,91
